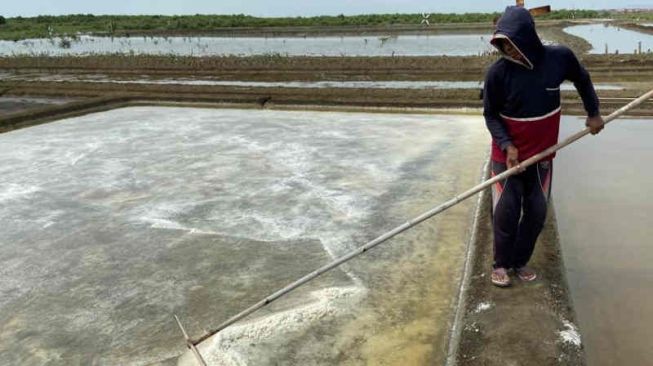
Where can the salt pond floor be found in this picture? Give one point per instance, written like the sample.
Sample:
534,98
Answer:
113,222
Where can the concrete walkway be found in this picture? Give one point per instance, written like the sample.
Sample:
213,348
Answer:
527,323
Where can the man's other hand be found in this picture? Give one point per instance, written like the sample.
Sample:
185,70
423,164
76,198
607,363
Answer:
595,124
512,156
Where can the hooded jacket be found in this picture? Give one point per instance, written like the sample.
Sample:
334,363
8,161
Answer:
522,98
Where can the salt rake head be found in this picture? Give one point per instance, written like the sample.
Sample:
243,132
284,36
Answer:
190,344
540,10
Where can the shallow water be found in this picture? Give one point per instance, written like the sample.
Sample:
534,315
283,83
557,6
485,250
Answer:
618,39
387,84
403,45
113,222
19,104
604,198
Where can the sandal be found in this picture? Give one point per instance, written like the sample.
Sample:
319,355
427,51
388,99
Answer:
500,277
526,274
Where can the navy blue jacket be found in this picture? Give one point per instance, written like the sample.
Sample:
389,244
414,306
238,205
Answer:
529,89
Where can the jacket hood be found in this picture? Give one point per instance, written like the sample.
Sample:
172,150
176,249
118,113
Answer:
517,26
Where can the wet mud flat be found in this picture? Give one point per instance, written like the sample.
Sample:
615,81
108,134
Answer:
60,77
106,95
117,220
604,68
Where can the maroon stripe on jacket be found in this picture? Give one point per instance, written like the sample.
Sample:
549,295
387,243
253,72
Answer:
530,135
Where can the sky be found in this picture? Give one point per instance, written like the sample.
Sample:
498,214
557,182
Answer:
272,8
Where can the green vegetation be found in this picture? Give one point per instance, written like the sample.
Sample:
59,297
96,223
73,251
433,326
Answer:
43,26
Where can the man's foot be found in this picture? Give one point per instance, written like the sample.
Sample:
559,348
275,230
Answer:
526,274
500,277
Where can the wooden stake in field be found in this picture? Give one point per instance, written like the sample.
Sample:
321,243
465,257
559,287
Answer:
403,227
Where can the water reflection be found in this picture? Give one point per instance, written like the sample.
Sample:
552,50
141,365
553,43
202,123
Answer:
604,199
617,39
403,45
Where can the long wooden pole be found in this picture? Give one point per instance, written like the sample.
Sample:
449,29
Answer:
410,223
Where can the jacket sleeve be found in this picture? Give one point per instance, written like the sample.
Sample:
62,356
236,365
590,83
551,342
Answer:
493,99
576,73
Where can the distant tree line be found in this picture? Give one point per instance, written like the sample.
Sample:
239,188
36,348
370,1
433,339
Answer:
42,26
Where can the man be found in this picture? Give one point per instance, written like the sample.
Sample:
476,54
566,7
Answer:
522,113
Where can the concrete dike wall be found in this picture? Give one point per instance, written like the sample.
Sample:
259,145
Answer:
526,324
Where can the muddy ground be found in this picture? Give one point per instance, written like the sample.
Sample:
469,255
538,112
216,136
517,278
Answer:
637,27
97,95
633,72
14,104
280,68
